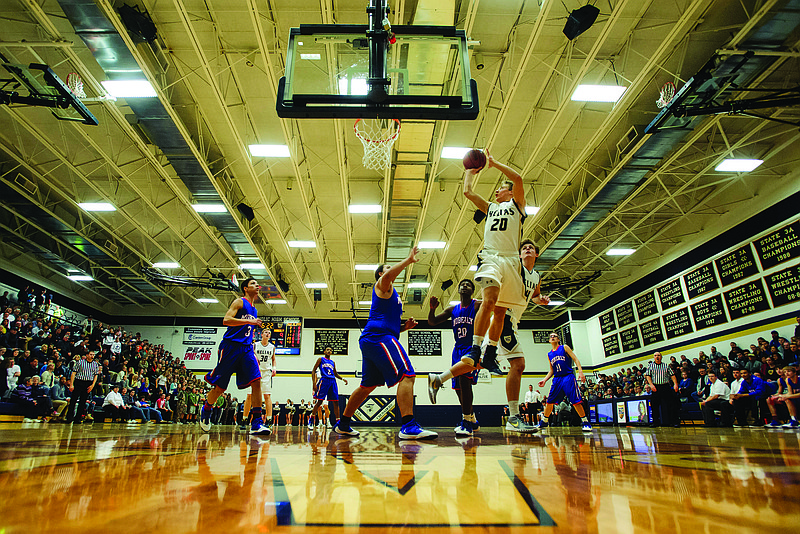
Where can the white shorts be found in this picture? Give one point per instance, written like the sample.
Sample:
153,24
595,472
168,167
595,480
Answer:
508,346
266,383
503,271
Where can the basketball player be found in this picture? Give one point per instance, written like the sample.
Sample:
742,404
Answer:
463,316
384,360
510,347
325,387
265,355
236,355
564,383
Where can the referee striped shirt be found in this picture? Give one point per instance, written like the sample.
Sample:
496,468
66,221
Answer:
659,372
86,370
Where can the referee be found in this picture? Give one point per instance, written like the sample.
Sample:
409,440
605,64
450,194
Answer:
84,377
665,394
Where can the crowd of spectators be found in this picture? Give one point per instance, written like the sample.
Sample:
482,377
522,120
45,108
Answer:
133,379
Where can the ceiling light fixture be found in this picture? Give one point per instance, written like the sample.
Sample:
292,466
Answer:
269,151
166,265
620,251
532,210
302,244
366,267
598,93
738,165
251,266
432,244
129,88
419,285
207,301
276,301
556,303
364,208
96,206
210,208
454,152
317,285
80,277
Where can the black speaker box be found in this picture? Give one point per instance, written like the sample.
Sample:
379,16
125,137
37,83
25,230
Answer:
580,20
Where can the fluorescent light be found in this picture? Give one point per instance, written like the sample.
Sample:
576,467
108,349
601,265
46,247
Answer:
364,208
166,265
96,206
738,165
620,251
310,56
269,151
598,93
473,268
302,244
455,302
556,303
207,301
417,285
365,303
129,88
432,244
454,152
210,208
316,285
80,277
251,266
364,267
358,86
276,301
532,210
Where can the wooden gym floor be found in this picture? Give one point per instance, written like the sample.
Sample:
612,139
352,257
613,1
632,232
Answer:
174,478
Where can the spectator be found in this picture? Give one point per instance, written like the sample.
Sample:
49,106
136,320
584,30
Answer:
734,351
686,387
58,396
150,414
113,405
748,399
23,397
162,404
703,385
13,372
787,383
42,396
718,399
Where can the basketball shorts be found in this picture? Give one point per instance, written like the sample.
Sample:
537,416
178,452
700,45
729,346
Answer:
503,271
564,386
508,346
266,382
327,389
236,358
458,353
384,361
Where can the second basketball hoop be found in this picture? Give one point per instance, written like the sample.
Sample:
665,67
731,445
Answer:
377,136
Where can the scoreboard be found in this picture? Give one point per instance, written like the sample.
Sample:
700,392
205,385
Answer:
285,334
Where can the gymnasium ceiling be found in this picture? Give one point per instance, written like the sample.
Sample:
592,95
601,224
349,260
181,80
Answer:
215,66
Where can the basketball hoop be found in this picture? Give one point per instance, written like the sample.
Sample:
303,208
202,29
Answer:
377,136
75,84
666,95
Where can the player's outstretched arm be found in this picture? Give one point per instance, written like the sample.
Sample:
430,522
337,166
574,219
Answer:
337,375
384,283
480,202
433,318
581,376
511,174
548,376
314,374
538,298
409,324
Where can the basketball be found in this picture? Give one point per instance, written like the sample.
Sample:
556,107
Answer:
474,159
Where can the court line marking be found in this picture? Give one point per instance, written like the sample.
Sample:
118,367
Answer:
544,518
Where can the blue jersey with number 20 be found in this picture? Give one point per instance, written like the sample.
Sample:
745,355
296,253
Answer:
242,334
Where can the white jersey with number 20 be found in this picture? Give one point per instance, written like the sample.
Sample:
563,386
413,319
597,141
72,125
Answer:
503,229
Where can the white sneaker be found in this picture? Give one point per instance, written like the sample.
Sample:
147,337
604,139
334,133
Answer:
516,424
434,383
260,430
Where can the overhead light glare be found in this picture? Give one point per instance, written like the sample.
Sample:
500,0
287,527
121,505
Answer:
473,268
598,93
532,210
96,206
302,244
620,251
455,302
432,244
276,301
310,56
129,88
454,152
251,266
210,208
317,285
166,265
207,301
80,278
269,151
366,267
738,165
364,208
365,303
418,285
556,303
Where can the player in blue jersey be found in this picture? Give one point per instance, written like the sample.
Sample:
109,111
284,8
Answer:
325,387
564,383
384,359
463,316
236,355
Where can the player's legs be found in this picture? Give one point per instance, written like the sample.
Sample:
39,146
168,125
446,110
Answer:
405,396
356,399
498,323
335,405
514,378
465,399
483,317
268,406
246,411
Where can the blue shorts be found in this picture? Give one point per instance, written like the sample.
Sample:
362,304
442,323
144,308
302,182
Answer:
327,389
458,353
564,386
234,358
384,361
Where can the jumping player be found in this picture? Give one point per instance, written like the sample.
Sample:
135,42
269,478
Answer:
509,347
265,355
325,387
236,356
463,316
564,383
384,359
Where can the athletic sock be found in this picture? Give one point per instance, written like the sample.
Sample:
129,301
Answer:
584,419
493,343
471,418
447,375
477,341
513,408
344,422
792,418
407,419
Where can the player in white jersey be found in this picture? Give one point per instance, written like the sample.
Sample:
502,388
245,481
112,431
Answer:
265,355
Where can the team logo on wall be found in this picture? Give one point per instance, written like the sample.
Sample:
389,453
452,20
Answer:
378,409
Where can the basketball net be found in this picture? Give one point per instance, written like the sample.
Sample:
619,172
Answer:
666,95
75,84
377,136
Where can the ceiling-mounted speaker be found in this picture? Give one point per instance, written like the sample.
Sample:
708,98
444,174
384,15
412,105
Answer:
246,211
580,20
138,23
478,216
446,285
317,295
284,286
